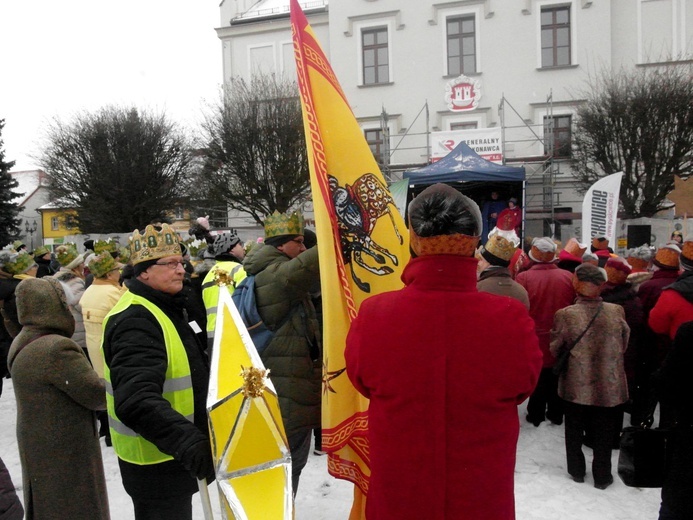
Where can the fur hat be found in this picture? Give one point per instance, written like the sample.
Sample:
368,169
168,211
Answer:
588,280
67,256
667,257
543,250
442,221
687,253
639,257
617,270
498,251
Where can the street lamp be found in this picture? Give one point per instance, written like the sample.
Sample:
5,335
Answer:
31,229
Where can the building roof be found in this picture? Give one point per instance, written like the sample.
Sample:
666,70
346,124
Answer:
270,8
57,204
29,181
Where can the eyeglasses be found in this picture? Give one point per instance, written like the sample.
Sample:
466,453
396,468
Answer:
298,240
172,264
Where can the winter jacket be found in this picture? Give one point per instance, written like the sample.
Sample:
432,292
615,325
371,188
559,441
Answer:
294,356
596,375
649,291
76,288
444,380
10,505
135,352
44,268
549,289
57,393
674,307
624,296
497,280
10,322
98,299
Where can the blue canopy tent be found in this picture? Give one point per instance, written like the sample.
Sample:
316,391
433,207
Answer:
471,174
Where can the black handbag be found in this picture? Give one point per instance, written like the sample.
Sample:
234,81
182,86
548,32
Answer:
561,364
642,460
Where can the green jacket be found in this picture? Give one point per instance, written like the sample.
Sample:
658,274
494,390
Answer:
294,356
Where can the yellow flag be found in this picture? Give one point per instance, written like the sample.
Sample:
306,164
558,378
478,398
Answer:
362,240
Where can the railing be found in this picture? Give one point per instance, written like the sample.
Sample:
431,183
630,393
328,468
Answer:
280,10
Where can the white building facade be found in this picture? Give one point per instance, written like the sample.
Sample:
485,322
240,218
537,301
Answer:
512,71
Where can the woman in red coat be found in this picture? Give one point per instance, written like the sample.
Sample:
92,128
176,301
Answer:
443,376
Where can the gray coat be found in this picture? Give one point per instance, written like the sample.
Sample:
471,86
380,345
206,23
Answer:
294,356
57,394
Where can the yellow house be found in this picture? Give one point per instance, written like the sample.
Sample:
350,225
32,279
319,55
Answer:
58,222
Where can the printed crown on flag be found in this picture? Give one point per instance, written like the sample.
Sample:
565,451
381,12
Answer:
109,245
153,244
284,224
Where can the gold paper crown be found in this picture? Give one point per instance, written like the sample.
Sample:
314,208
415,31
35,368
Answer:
105,245
19,263
66,253
153,244
284,224
102,264
124,256
500,248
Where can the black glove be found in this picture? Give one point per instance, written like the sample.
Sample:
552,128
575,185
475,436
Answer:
197,459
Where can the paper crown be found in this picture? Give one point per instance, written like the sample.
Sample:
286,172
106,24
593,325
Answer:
153,244
124,256
102,264
109,245
575,248
498,251
194,245
17,244
639,257
600,243
543,250
40,251
667,257
617,271
19,263
66,254
284,224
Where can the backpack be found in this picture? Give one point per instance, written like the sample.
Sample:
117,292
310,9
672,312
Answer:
244,299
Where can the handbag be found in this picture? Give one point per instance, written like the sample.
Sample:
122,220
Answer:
561,364
642,460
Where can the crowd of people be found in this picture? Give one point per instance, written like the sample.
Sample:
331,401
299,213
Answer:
114,342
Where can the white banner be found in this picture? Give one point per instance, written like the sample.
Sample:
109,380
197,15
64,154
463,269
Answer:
600,209
484,141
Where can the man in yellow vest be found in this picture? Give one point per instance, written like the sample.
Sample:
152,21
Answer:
156,375
228,254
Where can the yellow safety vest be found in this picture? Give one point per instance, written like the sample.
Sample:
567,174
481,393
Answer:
128,445
210,291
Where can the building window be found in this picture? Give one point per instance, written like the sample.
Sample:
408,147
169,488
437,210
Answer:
555,36
557,136
375,56
55,224
374,138
464,125
461,45
180,213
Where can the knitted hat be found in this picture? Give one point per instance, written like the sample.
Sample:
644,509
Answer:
442,221
67,256
687,254
40,251
498,251
102,264
543,250
19,263
639,258
667,257
588,280
224,242
599,243
617,270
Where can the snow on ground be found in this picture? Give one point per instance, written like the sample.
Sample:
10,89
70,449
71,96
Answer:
543,489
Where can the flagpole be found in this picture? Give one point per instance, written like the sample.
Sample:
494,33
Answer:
204,496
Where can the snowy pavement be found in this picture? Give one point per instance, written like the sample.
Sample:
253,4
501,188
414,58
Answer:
543,489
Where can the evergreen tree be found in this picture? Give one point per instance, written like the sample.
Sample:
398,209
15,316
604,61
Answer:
9,210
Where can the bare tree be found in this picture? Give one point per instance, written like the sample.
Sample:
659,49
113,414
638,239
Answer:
640,123
255,147
120,168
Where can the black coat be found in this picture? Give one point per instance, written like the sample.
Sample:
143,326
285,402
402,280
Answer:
135,353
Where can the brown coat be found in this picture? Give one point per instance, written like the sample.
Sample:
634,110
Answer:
497,280
596,375
57,393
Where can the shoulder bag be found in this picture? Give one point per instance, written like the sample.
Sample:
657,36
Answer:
563,356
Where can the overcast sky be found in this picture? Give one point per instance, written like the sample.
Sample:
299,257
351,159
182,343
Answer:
60,57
